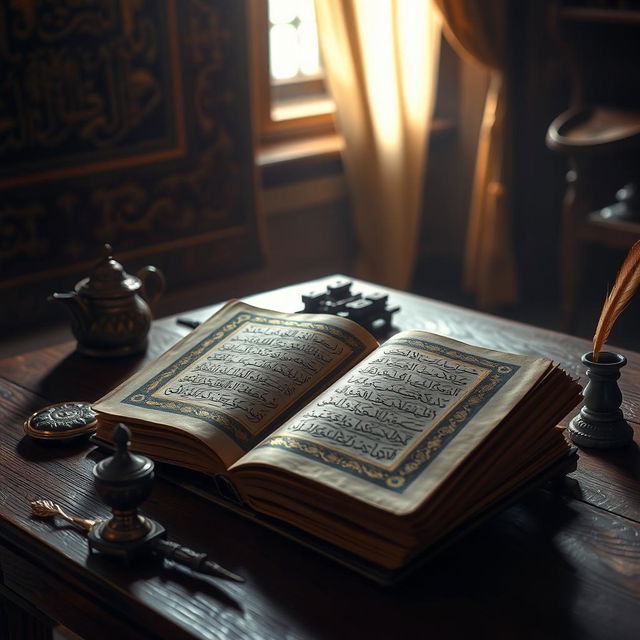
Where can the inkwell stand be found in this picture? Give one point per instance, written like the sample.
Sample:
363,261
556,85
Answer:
124,481
600,423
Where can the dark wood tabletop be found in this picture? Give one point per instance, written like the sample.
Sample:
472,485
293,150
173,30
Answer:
564,562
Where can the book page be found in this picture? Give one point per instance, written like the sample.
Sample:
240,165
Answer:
239,374
398,423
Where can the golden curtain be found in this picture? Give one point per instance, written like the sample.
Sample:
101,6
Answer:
477,28
380,58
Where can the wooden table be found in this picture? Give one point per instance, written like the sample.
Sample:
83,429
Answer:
562,563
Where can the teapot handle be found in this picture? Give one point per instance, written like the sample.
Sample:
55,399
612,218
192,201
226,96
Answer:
157,288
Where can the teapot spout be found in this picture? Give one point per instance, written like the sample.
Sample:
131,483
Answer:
75,305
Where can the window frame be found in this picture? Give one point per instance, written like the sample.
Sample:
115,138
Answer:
292,119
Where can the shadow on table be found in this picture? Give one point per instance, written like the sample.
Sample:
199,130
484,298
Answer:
506,579
81,378
610,480
45,450
165,572
626,460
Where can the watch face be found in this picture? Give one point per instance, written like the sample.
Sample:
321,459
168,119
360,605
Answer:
62,420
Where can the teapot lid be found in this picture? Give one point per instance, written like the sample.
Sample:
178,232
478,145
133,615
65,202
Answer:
108,279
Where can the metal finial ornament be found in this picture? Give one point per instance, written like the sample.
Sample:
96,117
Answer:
124,481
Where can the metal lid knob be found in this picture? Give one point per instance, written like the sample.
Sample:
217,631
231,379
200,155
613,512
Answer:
108,279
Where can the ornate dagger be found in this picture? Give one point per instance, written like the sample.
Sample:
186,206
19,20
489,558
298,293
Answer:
124,481
165,548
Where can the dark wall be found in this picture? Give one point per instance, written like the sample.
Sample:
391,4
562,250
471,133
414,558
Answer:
122,122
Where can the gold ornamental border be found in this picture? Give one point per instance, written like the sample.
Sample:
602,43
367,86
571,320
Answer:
238,432
426,449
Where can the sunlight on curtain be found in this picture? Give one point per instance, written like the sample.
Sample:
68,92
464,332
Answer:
478,30
380,58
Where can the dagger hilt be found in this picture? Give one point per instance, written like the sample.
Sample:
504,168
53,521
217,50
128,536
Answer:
189,558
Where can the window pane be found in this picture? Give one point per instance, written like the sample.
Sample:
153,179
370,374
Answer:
306,11
309,54
284,56
282,11
293,40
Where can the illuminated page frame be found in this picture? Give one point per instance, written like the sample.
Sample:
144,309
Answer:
426,449
240,433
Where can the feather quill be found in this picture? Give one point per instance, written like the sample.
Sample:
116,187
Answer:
619,297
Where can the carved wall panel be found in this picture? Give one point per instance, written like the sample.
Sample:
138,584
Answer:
124,121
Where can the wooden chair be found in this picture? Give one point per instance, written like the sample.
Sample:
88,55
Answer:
600,133
600,203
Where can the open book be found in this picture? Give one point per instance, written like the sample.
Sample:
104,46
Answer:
380,450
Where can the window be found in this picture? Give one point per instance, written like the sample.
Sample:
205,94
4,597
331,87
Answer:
293,40
291,99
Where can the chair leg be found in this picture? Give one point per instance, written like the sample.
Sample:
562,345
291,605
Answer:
571,250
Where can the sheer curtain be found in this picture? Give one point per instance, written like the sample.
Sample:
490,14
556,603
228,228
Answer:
478,29
381,58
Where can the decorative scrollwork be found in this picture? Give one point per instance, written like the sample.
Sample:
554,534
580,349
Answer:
130,118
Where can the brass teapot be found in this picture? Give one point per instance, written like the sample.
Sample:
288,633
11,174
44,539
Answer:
108,317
